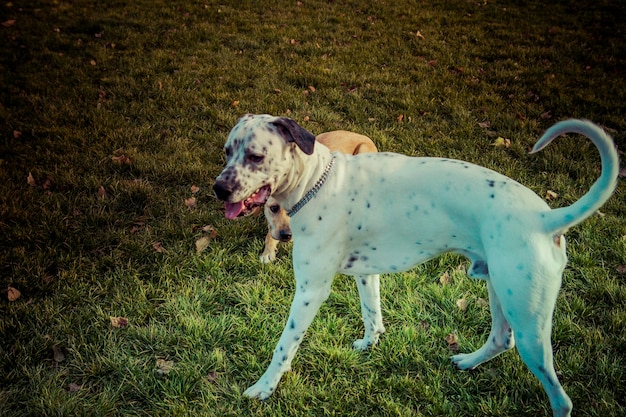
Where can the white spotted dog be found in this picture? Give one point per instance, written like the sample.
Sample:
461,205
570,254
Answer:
373,213
279,228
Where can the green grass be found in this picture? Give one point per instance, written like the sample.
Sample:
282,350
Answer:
162,83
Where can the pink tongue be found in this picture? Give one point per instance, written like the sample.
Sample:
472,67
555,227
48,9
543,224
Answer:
233,209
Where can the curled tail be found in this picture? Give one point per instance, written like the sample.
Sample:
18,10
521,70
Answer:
559,220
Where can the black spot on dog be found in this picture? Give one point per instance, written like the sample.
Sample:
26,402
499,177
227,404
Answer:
292,325
492,196
491,183
363,281
480,267
319,218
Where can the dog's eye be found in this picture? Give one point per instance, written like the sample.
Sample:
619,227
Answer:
274,208
256,158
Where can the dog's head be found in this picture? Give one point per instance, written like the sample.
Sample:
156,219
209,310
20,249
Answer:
259,151
278,220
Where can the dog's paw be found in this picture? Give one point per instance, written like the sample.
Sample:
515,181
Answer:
261,391
267,257
362,344
464,361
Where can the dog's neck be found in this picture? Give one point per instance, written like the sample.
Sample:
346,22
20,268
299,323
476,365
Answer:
304,177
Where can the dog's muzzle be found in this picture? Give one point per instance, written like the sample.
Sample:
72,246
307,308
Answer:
222,190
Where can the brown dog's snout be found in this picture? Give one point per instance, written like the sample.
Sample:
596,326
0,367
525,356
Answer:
285,235
222,190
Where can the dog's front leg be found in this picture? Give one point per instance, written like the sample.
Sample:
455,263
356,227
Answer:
311,292
369,293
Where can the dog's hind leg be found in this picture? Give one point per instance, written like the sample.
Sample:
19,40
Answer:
369,293
500,339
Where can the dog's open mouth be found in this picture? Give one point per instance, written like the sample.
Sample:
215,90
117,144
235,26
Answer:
244,207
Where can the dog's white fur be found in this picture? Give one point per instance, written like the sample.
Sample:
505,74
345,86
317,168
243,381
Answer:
411,210
279,228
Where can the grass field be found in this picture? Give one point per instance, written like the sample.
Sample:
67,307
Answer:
113,115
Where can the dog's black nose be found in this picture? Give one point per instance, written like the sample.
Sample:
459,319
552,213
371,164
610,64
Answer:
222,190
285,235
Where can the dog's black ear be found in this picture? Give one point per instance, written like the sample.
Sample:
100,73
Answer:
293,132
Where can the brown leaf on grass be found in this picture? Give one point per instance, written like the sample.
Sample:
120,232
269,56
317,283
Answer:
235,103
121,160
8,23
58,354
462,304
400,118
453,342
72,387
163,366
158,247
501,142
102,193
137,226
551,195
432,63
191,202
212,377
481,302
419,35
445,279
546,115
13,293
30,180
202,244
119,322
17,134
621,269
194,189
484,124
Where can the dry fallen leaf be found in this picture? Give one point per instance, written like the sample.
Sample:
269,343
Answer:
17,134
102,193
121,160
158,247
400,118
621,269
13,293
194,189
419,35
445,279
202,244
551,195
8,23
72,387
484,124
191,202
453,342
235,103
481,302
462,304
119,322
31,180
501,142
311,89
212,376
59,356
164,367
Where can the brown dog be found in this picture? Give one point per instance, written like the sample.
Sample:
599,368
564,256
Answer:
277,220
